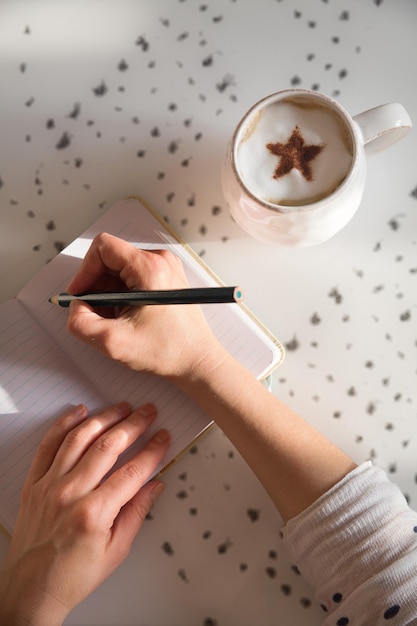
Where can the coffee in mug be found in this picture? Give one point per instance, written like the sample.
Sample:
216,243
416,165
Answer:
295,169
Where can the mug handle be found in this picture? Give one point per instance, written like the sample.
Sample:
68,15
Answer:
383,126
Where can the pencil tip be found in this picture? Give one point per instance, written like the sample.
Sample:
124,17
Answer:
53,299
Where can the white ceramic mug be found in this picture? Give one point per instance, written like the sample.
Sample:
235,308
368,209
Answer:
315,154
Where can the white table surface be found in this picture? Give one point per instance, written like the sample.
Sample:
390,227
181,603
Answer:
104,99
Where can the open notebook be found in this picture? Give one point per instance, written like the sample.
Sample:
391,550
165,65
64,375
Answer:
43,369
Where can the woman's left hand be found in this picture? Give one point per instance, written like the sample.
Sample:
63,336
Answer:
73,528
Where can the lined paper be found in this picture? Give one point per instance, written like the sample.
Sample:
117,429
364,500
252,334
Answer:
43,368
37,382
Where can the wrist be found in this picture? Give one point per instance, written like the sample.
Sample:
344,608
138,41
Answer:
202,367
26,604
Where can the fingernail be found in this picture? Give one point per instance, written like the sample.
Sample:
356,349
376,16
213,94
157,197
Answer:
123,408
161,436
156,491
147,410
144,414
81,410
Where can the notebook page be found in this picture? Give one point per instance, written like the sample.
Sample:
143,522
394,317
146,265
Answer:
37,383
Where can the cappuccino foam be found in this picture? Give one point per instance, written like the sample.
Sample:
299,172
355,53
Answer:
294,151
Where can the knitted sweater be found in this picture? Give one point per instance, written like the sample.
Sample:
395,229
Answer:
357,547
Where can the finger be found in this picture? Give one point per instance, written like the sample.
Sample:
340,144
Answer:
106,253
106,449
86,324
100,332
50,444
132,516
109,281
79,439
138,269
125,482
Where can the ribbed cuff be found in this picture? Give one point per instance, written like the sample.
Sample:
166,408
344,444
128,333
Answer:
360,533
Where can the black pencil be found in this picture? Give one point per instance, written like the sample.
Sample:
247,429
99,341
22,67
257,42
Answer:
200,295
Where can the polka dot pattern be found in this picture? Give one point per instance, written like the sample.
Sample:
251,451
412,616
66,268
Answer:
390,613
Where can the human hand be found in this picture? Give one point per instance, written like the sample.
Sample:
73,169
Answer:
73,529
170,340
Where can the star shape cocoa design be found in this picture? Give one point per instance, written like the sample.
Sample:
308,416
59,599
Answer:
294,154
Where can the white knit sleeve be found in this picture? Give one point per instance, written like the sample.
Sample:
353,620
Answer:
357,547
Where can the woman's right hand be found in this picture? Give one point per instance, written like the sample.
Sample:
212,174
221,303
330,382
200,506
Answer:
169,340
